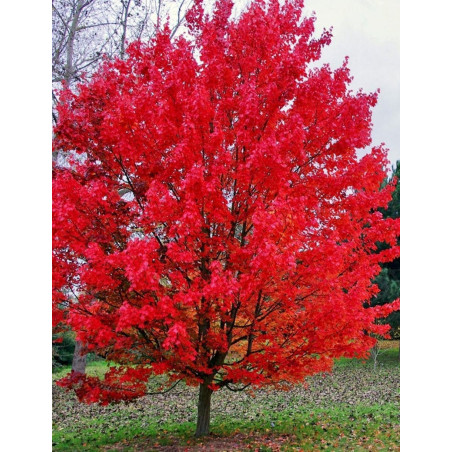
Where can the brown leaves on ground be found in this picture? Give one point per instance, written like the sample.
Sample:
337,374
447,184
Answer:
349,386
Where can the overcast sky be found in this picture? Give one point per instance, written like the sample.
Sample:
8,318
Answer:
368,32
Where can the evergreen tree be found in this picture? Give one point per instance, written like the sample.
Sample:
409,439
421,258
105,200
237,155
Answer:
388,280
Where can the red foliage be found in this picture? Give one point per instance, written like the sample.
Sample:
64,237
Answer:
119,384
246,245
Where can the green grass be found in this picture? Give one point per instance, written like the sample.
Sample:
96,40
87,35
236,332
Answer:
94,436
309,427
95,368
332,427
387,357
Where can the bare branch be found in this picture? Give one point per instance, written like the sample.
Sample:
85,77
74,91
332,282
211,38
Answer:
166,391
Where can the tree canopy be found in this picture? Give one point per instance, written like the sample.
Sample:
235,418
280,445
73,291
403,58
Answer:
212,220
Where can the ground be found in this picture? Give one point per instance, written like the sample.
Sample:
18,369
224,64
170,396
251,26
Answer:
353,408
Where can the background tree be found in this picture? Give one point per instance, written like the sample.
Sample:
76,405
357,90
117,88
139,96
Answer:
388,280
63,349
85,31
214,221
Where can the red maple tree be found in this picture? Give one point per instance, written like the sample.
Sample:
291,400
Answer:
212,220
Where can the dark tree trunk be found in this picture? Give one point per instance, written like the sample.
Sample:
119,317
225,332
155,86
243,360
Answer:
203,424
78,360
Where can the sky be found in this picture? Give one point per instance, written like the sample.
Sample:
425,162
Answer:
367,31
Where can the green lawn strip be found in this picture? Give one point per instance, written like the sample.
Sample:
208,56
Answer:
92,434
94,368
387,358
309,427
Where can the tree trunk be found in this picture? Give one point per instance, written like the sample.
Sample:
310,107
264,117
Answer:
79,360
69,70
203,424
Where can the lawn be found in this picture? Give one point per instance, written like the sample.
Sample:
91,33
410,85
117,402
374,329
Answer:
354,408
